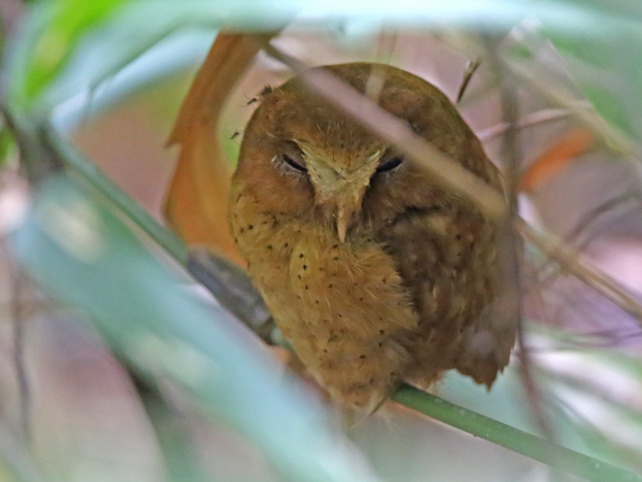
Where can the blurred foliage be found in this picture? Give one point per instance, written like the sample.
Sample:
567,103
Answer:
6,145
68,20
85,254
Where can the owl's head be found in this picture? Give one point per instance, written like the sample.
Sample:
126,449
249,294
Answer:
329,164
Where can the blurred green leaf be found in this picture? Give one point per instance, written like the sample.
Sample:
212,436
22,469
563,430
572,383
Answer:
135,44
71,47
6,145
101,46
84,255
103,74
67,21
178,452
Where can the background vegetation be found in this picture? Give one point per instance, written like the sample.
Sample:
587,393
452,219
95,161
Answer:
126,370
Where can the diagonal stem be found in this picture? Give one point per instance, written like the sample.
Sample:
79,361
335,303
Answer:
511,438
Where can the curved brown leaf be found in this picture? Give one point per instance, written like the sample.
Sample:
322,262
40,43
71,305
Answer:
196,205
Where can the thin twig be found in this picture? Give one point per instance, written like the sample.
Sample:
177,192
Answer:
583,225
598,212
570,260
588,117
530,120
471,68
510,249
233,288
18,319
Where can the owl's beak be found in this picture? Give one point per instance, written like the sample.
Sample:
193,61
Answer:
341,191
343,221
347,206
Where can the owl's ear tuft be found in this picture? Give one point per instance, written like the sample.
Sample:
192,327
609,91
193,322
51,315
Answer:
265,91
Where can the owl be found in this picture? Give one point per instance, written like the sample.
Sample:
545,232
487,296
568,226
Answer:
376,273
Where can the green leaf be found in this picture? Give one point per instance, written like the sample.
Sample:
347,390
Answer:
120,51
67,21
86,256
70,47
7,145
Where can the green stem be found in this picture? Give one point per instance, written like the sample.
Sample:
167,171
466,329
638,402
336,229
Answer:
511,438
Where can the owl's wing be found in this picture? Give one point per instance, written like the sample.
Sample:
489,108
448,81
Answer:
447,260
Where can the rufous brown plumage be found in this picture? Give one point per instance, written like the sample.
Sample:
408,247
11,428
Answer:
375,272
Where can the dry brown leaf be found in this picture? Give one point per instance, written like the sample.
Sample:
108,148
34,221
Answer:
196,205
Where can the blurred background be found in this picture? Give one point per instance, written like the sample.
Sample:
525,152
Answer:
73,406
